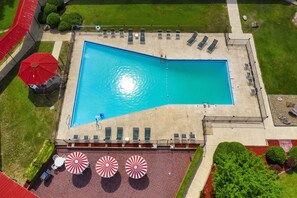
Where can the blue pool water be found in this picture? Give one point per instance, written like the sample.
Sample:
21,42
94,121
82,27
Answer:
115,82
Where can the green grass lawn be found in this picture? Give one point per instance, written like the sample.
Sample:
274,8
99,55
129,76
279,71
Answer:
7,12
25,121
275,42
200,15
288,182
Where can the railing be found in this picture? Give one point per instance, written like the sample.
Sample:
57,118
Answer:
232,119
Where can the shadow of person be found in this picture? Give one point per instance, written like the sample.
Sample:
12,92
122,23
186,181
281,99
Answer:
81,181
139,184
111,184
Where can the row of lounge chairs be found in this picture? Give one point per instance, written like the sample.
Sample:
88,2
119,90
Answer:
202,43
168,34
184,137
147,135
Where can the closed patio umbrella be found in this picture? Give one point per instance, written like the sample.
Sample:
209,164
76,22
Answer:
76,163
107,166
136,167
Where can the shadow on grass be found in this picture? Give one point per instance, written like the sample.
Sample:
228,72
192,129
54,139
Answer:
110,185
292,171
43,100
139,184
81,181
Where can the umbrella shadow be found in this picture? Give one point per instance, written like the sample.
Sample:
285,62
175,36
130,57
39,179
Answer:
81,181
139,184
43,100
110,185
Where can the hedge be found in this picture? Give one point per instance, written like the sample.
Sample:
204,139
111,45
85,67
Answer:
72,18
49,8
293,152
43,155
64,26
53,20
276,155
58,3
190,173
226,148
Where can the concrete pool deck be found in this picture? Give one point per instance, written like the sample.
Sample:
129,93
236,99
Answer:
169,119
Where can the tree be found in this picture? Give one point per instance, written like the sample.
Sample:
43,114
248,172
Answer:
276,155
244,175
53,20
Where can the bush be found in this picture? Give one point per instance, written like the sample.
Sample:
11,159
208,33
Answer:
58,3
72,18
291,162
293,152
64,26
43,155
276,168
276,155
53,20
49,8
226,148
42,18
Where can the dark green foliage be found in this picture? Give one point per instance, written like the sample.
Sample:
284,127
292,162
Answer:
42,18
49,8
227,147
72,18
276,155
291,162
244,175
276,168
293,152
53,20
64,26
58,3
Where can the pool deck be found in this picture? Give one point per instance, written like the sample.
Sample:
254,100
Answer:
169,119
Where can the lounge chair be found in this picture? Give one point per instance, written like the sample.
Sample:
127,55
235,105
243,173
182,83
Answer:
160,34
246,66
212,46
95,138
86,138
75,137
107,133
184,137
248,75
192,39
46,175
192,136
253,92
250,81
284,120
168,34
293,112
122,34
147,134
119,133
142,36
105,33
135,134
130,36
176,137
177,35
112,33
202,43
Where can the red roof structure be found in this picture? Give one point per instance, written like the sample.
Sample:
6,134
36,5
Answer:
20,27
9,188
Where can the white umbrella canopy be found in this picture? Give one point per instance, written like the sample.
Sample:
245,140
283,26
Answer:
136,167
107,166
76,163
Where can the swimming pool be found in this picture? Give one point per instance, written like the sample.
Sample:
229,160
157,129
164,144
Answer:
116,82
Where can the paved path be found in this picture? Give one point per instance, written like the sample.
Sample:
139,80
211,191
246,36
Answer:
234,16
57,49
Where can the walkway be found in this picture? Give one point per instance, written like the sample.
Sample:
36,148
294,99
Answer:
234,16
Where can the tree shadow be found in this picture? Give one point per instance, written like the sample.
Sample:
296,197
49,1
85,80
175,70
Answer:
4,3
110,185
139,184
81,181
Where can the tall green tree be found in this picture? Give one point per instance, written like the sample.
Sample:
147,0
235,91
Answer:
244,175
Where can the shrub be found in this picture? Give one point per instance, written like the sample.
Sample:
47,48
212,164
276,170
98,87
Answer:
293,152
53,20
42,18
276,155
276,168
226,148
58,3
72,18
49,8
291,162
64,26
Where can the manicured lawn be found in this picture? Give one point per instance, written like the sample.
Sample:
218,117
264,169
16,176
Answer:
275,42
200,15
7,12
25,121
288,182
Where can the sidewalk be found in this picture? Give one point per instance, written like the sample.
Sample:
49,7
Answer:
234,16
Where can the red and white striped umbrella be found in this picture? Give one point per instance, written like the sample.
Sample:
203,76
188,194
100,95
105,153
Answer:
76,162
136,167
107,166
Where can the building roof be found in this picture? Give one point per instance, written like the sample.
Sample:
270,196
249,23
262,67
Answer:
9,188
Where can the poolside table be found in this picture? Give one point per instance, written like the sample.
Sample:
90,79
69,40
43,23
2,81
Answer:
59,161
